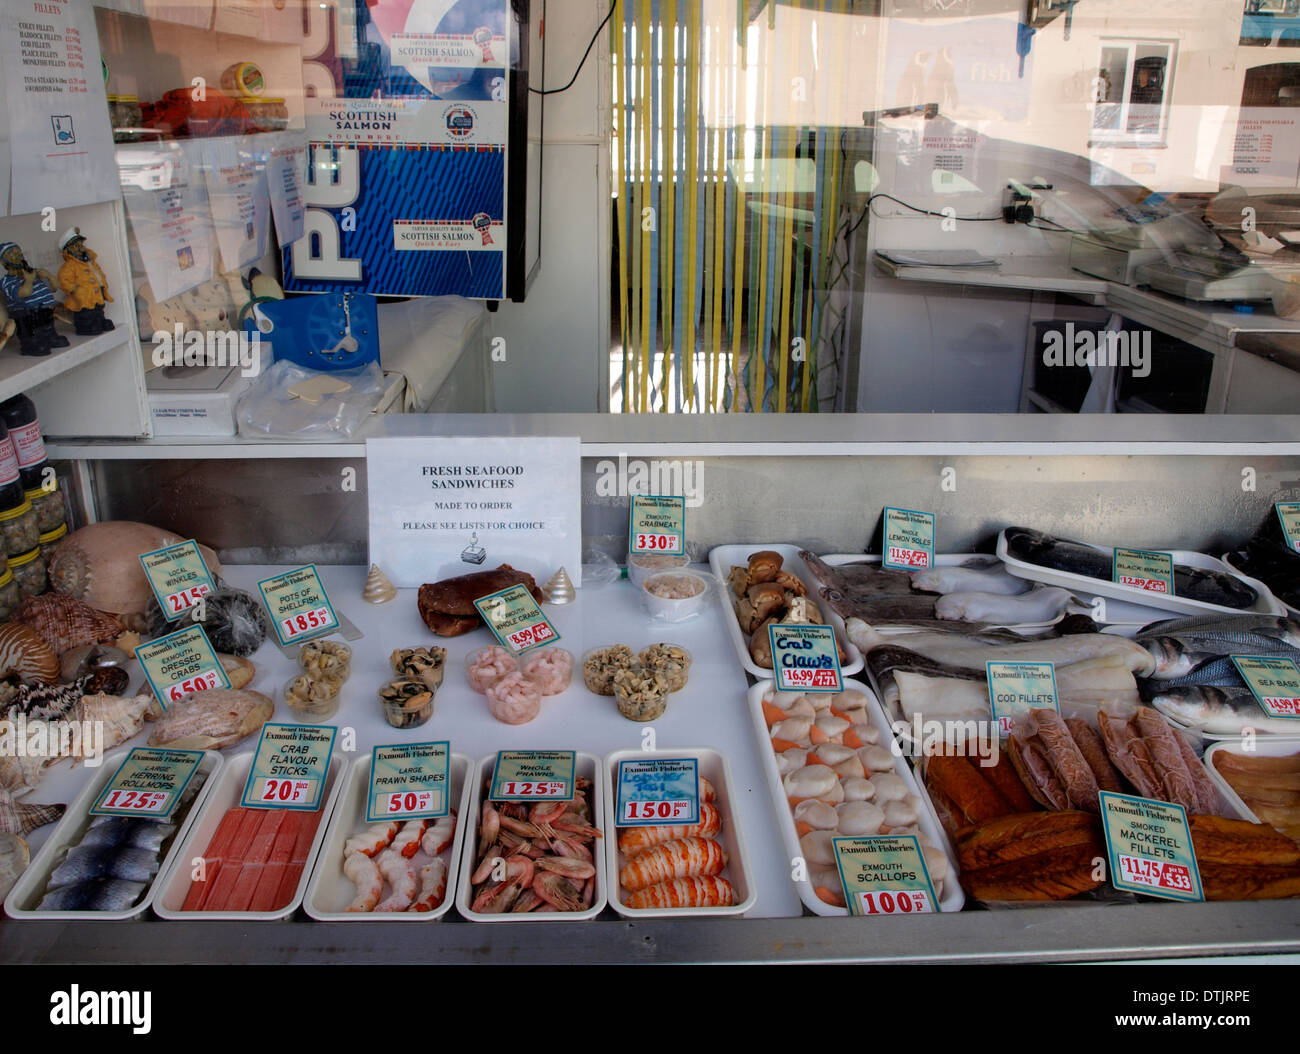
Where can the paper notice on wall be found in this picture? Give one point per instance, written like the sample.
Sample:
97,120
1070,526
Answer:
286,172
167,206
186,12
61,147
282,23
1266,148
442,507
239,16
239,199
4,155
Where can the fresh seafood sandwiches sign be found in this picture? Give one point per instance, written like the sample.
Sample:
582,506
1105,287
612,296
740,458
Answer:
437,504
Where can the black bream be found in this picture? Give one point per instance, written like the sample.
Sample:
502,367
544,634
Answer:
1061,554
1219,711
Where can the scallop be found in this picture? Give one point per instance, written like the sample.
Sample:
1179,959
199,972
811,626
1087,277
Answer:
869,734
877,759
788,761
850,699
850,768
890,787
830,726
819,700
831,753
818,848
781,700
792,729
816,814
811,781
858,790
859,817
936,862
901,813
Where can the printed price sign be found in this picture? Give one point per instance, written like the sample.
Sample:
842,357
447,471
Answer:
653,791
1288,515
515,619
149,782
409,781
533,775
289,767
180,663
1150,847
1274,682
1143,569
178,577
805,659
884,875
908,541
299,608
657,524
1018,687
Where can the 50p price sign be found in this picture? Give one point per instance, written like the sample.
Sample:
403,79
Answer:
805,658
657,524
515,619
1150,847
534,775
299,608
149,782
1275,683
178,577
884,875
1144,569
181,663
658,790
409,781
290,767
908,542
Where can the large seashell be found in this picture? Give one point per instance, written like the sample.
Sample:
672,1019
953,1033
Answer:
99,564
66,622
26,654
14,858
234,621
559,588
19,817
86,659
45,702
120,716
211,720
378,589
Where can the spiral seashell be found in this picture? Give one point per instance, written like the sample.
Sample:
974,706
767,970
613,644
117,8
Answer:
25,654
66,622
559,588
378,589
18,817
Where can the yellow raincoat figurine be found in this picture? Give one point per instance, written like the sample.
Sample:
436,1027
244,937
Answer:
83,280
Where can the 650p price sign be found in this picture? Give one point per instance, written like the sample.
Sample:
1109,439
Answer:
181,663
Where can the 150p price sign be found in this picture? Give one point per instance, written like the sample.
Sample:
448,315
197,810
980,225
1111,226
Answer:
658,790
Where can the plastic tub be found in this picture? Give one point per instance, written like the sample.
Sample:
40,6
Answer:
329,892
30,887
229,788
588,766
1264,747
641,566
714,768
676,609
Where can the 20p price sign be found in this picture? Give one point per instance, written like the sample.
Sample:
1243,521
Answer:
658,790
409,781
805,658
149,782
178,577
534,775
908,543
1288,515
1018,687
290,767
1274,682
515,619
1144,569
181,663
1150,847
300,609
657,524
884,875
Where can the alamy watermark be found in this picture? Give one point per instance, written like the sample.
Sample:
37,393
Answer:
624,478
20,738
1087,347
224,348
970,738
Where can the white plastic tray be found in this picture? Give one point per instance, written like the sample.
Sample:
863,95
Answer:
1265,602
226,795
1288,608
1271,747
588,767
30,887
714,768
329,892
723,557
953,897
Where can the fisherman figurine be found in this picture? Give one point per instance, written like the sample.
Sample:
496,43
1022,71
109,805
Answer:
83,280
30,300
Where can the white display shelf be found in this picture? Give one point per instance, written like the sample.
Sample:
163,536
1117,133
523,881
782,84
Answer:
20,373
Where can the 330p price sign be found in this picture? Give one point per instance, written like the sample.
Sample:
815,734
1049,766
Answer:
178,576
657,524
1149,845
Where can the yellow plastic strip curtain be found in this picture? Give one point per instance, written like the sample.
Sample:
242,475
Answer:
725,205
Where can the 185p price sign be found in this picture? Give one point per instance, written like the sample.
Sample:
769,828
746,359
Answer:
305,622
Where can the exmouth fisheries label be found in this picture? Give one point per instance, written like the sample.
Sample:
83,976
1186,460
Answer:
409,781
1016,688
149,782
289,767
908,540
178,577
515,619
1150,847
1288,515
657,524
299,607
534,775
1274,682
805,658
654,791
180,663
884,875
1144,569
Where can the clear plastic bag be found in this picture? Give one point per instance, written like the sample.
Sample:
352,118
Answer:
268,411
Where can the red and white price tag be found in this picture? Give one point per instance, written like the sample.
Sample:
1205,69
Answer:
287,790
656,542
1006,725
137,801
1283,706
186,598
797,678
1158,874
529,636
305,622
410,801
1151,585
538,789
911,557
656,810
198,683
901,902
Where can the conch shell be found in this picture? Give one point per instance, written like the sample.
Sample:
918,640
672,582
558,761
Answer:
66,622
559,588
378,589
115,719
211,719
24,653
100,564
18,817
